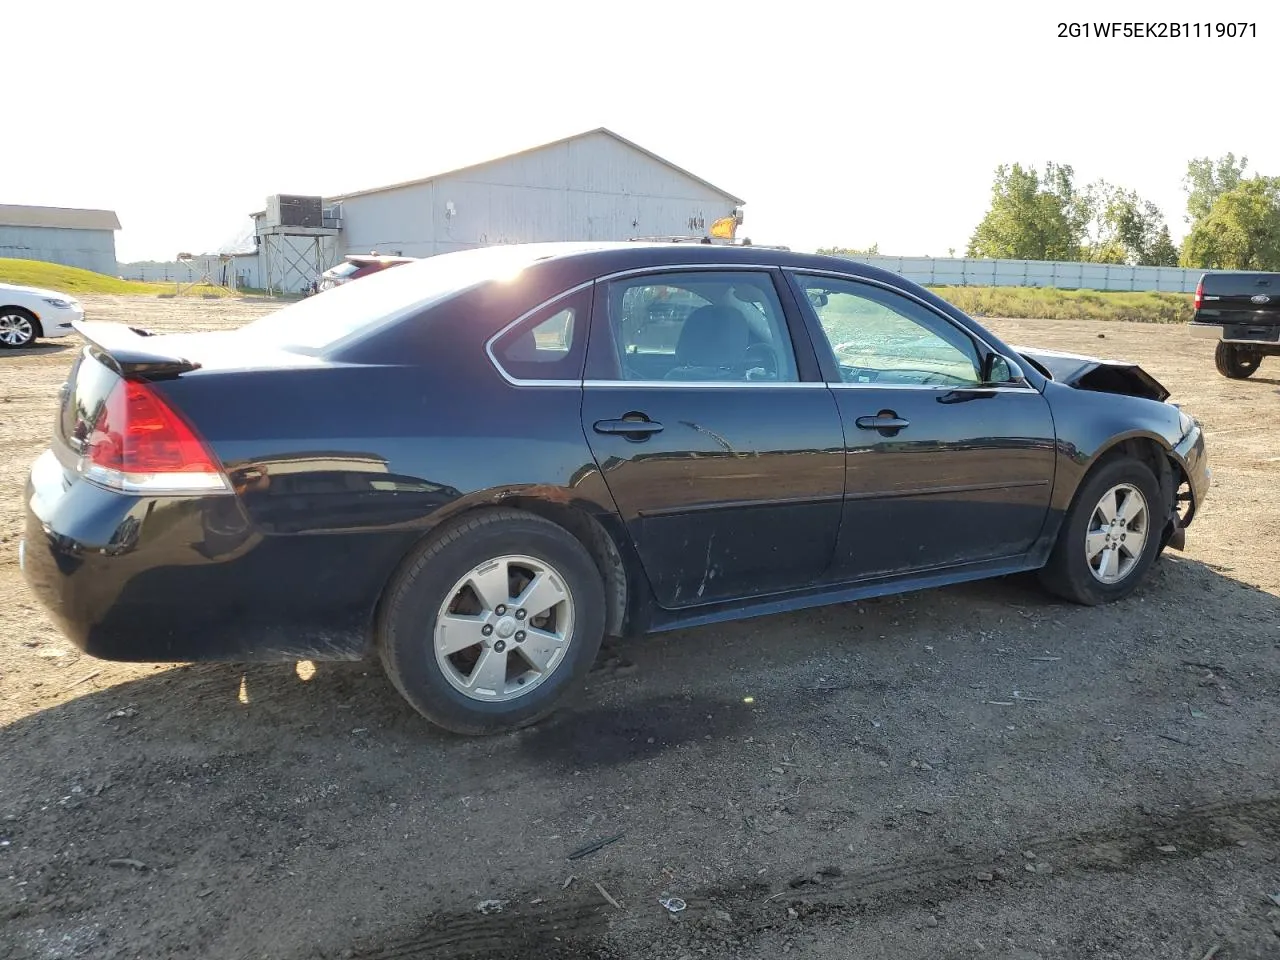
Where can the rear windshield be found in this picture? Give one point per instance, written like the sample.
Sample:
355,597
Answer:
335,317
344,269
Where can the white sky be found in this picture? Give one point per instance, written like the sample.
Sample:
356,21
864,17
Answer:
838,122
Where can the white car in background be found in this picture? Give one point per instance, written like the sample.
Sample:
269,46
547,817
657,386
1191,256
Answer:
28,313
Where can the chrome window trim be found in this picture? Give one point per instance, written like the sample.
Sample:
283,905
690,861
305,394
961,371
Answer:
704,384
516,381
796,272
686,267
940,388
721,385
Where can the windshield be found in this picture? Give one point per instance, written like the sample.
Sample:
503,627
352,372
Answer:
319,323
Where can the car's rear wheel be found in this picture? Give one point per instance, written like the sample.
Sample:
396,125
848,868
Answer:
1110,536
493,623
1236,362
17,327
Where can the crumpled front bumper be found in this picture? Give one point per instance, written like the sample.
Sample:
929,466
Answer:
1192,457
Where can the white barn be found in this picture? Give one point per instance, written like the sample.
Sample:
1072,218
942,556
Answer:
66,235
595,185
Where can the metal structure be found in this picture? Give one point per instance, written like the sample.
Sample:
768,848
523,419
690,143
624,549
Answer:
292,243
200,273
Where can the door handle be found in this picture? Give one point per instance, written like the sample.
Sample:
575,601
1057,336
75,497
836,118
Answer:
885,420
631,429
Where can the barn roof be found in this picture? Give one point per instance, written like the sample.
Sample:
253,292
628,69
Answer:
543,146
65,218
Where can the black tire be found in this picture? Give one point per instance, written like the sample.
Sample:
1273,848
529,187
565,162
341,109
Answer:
1235,362
1068,573
405,632
9,315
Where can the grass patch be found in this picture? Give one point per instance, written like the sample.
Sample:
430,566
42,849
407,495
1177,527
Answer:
74,281
1050,303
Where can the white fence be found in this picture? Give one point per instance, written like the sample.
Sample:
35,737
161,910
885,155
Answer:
966,272
930,271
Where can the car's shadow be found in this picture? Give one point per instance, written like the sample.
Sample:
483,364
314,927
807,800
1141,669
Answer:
39,348
214,701
182,768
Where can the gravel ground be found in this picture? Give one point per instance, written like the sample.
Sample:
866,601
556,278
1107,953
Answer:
970,772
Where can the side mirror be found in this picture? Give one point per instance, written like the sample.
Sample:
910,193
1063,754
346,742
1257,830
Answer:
997,369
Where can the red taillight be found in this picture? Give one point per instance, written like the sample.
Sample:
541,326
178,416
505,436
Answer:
1199,296
140,443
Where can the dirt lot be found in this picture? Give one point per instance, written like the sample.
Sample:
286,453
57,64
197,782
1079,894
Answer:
973,772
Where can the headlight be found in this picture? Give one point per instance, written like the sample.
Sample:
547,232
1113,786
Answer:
60,304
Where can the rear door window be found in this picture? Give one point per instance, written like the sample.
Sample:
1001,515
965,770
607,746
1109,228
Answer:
703,326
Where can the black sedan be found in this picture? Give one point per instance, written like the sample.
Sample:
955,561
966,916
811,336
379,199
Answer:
481,463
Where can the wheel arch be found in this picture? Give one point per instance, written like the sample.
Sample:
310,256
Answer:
572,516
1148,448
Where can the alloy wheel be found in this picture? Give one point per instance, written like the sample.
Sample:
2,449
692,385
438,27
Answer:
15,330
1117,533
504,628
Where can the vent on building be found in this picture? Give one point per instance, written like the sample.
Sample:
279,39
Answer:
291,210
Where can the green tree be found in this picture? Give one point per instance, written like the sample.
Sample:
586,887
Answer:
1206,180
1033,216
1163,251
1124,228
1240,230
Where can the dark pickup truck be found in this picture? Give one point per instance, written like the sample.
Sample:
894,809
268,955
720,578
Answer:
1242,312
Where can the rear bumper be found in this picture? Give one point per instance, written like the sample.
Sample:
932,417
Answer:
1261,336
180,579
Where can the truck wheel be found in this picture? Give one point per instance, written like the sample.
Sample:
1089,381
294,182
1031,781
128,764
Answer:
493,623
1234,362
1110,536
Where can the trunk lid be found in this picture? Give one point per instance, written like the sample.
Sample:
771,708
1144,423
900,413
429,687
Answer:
116,351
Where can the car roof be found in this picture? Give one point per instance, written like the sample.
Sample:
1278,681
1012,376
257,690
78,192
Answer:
600,258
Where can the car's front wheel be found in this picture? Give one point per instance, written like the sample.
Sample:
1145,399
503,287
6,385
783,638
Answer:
17,327
1110,536
1235,362
493,623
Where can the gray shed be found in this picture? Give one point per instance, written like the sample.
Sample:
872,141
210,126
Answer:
76,238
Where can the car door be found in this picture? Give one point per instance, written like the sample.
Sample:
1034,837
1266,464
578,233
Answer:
943,467
723,449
